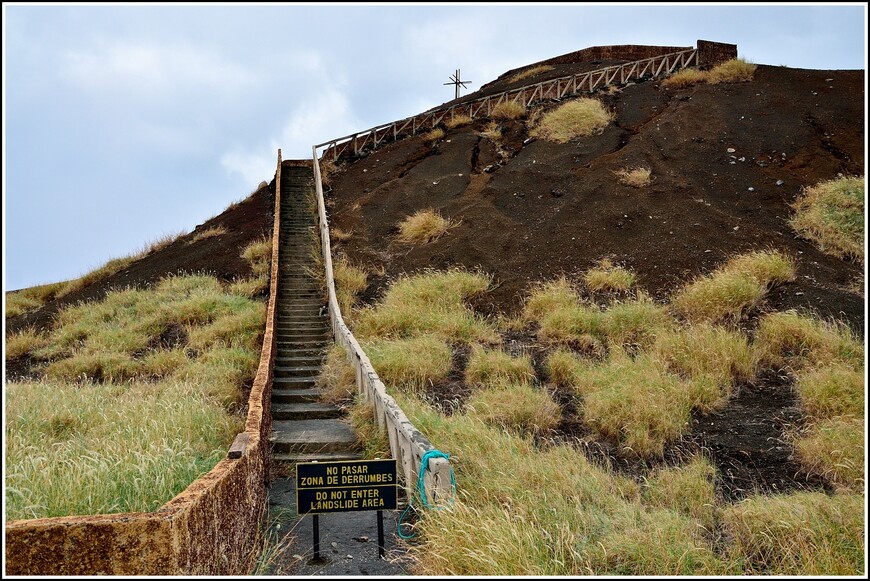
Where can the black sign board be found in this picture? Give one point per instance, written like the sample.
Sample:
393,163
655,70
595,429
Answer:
345,486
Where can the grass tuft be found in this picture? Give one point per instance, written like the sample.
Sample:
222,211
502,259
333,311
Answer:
831,214
259,255
607,277
688,489
429,304
834,449
578,118
735,288
636,177
486,367
374,441
803,533
434,135
634,322
349,282
508,110
457,121
341,235
793,340
515,406
423,227
530,73
24,343
410,363
685,78
337,379
208,233
492,131
733,71
550,296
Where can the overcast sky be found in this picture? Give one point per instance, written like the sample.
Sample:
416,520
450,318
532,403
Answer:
122,123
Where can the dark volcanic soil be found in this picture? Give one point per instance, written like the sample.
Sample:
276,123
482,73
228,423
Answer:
219,256
727,160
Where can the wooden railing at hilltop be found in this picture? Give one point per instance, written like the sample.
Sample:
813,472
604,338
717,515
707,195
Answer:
526,95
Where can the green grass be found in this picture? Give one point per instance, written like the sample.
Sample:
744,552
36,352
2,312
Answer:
410,363
577,118
803,533
515,406
831,214
735,288
135,398
259,255
487,367
423,227
432,303
608,277
98,449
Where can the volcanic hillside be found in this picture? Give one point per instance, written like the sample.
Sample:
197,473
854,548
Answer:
727,160
213,247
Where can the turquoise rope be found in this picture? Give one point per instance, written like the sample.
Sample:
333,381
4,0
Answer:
421,490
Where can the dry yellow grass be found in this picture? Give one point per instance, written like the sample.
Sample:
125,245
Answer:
515,406
423,227
608,277
733,71
492,132
457,121
340,235
550,296
508,110
487,367
803,533
834,449
434,135
831,214
790,339
410,363
689,489
350,280
24,342
735,288
685,78
208,233
636,177
530,73
578,118
337,379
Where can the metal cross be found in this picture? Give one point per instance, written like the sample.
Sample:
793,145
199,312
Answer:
454,80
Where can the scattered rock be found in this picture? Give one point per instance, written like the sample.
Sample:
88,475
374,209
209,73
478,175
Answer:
557,192
741,159
751,189
730,150
779,182
362,539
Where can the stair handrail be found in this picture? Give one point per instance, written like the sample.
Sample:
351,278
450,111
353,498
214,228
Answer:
407,444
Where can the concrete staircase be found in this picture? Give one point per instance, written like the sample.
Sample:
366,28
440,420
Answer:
303,428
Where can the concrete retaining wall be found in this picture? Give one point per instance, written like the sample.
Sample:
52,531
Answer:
209,529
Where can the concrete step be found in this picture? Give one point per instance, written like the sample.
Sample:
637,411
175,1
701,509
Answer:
297,371
304,411
315,361
310,395
312,436
294,382
293,459
283,354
